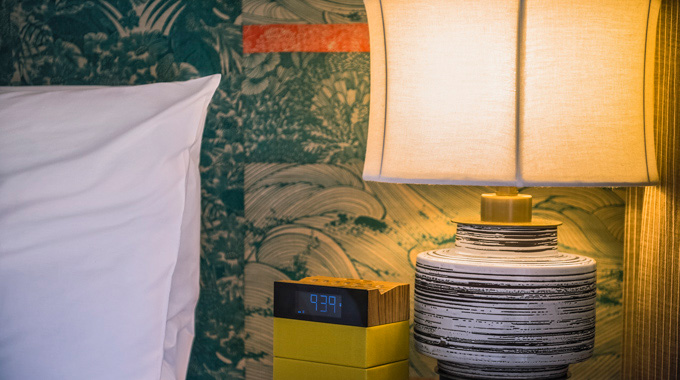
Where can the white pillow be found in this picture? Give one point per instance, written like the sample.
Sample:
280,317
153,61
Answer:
99,229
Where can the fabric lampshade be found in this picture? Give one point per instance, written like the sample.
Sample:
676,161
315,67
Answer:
512,93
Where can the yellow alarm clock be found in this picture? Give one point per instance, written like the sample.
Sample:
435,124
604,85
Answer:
341,329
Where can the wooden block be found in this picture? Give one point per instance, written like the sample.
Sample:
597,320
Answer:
352,346
290,369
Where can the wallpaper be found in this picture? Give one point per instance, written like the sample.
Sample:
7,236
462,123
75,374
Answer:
281,163
651,341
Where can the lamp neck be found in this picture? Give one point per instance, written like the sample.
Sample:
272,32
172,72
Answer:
506,206
507,190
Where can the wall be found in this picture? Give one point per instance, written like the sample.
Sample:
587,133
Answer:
281,163
651,340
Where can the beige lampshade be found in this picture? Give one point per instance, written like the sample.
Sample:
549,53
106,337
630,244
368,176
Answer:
512,93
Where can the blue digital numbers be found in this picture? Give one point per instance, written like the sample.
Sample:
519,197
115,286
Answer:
331,302
323,303
313,299
319,304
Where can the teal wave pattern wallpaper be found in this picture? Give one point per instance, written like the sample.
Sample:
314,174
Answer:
281,164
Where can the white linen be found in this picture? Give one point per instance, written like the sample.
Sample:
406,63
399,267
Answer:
99,229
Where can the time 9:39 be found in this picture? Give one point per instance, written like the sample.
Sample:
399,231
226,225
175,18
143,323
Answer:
322,301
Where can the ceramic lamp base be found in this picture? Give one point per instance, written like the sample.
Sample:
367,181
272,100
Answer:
504,303
453,371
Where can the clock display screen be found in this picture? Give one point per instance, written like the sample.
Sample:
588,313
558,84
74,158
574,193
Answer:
318,304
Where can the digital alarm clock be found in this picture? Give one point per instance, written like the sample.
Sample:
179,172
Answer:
319,304
340,329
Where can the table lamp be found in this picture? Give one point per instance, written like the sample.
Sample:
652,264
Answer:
510,94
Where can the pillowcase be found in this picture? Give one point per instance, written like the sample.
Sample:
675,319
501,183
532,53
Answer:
99,229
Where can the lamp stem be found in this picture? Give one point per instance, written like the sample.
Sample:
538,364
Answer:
506,206
507,190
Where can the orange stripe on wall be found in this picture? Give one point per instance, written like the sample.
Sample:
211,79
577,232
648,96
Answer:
319,38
